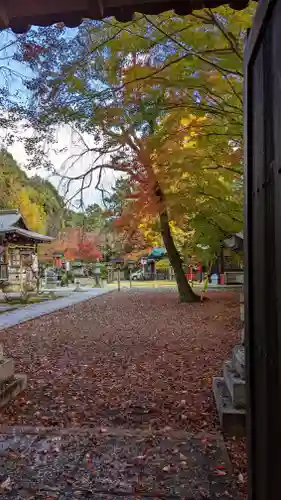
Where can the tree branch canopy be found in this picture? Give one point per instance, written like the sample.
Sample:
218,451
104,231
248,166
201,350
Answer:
161,100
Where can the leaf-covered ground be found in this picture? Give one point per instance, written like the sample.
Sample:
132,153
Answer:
135,360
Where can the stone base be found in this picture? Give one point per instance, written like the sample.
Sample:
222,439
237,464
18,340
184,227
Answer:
11,388
232,420
238,360
7,368
242,313
235,384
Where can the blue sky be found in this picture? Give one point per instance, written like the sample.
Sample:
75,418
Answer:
11,73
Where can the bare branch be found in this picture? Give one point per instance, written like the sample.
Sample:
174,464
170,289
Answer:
231,40
193,53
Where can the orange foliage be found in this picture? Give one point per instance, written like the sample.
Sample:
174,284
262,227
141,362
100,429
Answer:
75,244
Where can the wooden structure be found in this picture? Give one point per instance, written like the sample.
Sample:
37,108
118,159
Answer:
20,15
18,253
263,249
231,260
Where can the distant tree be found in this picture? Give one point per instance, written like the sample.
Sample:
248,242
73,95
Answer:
88,252
116,201
94,218
46,195
73,244
36,198
91,219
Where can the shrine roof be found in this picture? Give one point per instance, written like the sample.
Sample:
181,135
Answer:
12,222
20,15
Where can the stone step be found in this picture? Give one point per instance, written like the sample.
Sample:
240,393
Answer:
242,312
235,385
232,420
10,389
238,360
7,369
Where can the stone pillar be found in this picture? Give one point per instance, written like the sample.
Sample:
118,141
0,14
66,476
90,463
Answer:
11,384
230,391
97,273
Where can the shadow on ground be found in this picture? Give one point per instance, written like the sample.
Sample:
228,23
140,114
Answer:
110,464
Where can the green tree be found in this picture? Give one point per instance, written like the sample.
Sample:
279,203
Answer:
116,201
42,192
132,88
36,198
91,219
94,217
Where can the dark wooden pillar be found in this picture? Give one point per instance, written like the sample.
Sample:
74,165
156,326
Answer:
263,250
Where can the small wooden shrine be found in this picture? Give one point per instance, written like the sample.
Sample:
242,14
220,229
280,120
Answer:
18,253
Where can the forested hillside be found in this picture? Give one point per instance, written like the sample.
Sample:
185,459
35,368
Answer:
37,199
40,203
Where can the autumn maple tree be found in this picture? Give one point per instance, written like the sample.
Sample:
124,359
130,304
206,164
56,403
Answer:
88,251
159,101
73,244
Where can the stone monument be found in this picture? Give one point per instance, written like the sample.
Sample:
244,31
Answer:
230,389
11,384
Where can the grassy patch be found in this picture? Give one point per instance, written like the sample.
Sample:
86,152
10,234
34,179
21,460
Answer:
36,299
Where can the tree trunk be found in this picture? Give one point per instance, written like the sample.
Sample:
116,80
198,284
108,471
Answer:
185,291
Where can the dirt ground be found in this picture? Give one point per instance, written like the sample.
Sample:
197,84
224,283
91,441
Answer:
136,359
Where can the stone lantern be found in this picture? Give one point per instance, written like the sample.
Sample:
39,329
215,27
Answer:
97,272
117,264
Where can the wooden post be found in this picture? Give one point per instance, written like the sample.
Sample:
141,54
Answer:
21,275
262,119
118,279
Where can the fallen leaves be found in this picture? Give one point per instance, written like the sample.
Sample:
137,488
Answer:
220,472
240,478
166,468
6,484
137,359
133,359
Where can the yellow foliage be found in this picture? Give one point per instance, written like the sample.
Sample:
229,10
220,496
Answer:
192,120
32,213
150,232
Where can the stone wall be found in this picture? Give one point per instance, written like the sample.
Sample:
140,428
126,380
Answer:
11,384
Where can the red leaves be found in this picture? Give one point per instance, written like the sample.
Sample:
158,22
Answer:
133,359
220,470
81,245
136,359
32,50
88,252
75,244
